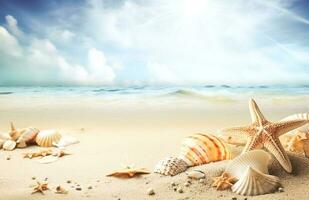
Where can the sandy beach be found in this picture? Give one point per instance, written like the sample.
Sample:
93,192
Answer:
114,136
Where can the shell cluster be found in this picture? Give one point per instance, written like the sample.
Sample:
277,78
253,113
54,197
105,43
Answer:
196,150
21,138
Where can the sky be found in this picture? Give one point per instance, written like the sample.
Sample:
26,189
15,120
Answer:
154,42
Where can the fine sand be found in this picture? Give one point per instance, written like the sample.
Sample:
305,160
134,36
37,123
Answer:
113,136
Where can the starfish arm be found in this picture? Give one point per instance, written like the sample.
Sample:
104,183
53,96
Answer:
286,126
237,130
252,143
274,146
256,114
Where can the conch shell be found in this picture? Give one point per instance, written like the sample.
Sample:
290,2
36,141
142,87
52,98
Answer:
196,150
14,133
253,183
27,136
47,138
170,166
9,145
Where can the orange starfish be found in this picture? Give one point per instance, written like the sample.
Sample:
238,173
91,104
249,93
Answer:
128,172
223,182
263,133
41,187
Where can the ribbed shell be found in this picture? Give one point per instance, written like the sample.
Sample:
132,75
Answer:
254,183
170,166
47,138
257,159
200,149
28,135
299,116
9,145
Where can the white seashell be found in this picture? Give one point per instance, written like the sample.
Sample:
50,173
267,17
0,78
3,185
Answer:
9,145
47,138
170,166
48,159
27,136
200,149
5,136
257,159
254,183
196,174
299,116
66,141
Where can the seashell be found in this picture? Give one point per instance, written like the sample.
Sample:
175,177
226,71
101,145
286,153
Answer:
299,116
14,133
170,166
66,141
48,159
5,136
253,183
257,159
9,145
196,174
47,138
200,149
27,136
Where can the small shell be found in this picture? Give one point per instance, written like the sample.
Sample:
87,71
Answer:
257,159
66,141
170,166
195,174
9,145
299,116
200,149
47,138
27,136
254,183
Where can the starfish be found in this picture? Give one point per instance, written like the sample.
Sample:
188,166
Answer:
223,182
40,187
128,172
263,133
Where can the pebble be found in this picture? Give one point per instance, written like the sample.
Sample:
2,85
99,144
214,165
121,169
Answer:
179,189
173,184
202,180
45,179
187,184
8,158
245,198
33,178
150,191
69,181
234,198
78,188
89,187
280,189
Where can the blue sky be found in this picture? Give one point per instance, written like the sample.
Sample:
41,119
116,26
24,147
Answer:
162,42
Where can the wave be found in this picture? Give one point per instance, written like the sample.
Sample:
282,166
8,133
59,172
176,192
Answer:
186,93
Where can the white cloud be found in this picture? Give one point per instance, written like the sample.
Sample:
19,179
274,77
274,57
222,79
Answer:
12,26
9,44
162,74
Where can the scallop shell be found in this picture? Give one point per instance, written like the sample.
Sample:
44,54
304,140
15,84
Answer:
9,145
299,116
200,149
47,138
254,183
27,136
170,166
257,159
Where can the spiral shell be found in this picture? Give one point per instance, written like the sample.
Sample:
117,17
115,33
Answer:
27,136
200,149
47,138
253,183
170,166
